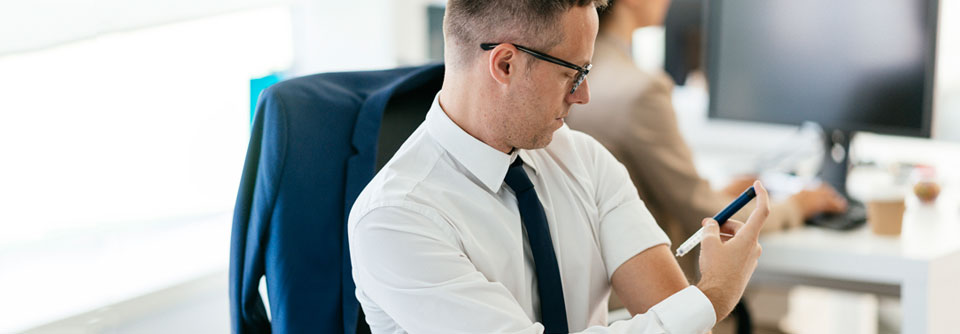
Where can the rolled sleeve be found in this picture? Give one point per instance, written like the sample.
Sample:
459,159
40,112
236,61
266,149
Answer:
626,231
626,226
687,311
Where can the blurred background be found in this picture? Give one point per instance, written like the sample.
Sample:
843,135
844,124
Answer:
124,124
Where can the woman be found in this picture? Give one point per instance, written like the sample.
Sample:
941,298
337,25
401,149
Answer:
631,113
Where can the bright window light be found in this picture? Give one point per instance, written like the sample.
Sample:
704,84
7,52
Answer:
117,135
135,126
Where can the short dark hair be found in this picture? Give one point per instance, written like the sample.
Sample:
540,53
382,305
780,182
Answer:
604,13
531,23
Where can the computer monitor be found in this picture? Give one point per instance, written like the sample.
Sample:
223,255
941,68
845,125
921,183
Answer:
849,65
683,39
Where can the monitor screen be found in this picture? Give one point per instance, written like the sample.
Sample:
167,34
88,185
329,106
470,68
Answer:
852,65
683,39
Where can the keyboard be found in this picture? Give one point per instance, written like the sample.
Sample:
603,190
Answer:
855,216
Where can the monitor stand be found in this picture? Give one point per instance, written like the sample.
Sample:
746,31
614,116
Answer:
836,161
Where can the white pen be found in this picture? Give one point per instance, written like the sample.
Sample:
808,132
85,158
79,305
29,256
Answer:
721,218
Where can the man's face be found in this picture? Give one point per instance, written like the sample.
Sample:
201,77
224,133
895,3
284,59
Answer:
541,99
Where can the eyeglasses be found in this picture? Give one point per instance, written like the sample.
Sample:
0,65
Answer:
581,71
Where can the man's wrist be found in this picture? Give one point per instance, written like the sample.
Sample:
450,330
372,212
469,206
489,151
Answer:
687,311
715,295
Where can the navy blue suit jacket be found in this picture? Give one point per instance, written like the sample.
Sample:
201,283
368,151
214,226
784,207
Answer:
313,148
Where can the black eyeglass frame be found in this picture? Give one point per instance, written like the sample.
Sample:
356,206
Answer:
581,71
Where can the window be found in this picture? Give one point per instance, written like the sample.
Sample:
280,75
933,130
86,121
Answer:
122,154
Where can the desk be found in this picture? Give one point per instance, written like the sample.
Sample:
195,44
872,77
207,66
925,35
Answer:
922,266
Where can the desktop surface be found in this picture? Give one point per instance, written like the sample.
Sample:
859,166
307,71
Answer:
921,266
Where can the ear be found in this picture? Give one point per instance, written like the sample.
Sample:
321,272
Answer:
503,63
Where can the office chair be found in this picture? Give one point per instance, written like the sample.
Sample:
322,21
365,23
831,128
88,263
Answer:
316,141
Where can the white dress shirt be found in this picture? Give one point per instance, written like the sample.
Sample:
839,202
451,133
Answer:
438,246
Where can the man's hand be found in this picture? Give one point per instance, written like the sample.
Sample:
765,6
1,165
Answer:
726,266
820,200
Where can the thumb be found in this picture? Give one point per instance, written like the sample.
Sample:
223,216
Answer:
711,233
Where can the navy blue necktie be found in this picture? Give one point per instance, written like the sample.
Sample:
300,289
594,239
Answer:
553,312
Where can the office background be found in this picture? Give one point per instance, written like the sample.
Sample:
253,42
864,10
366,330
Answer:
123,127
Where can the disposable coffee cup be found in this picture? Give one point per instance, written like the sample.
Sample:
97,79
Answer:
884,199
886,217
885,207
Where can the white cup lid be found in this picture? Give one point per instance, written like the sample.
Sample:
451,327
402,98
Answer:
872,184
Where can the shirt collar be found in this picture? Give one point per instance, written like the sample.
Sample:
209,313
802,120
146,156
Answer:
483,161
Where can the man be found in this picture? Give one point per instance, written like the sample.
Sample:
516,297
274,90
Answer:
631,114
493,217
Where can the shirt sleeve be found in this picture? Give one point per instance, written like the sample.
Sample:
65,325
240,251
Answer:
410,267
687,311
626,227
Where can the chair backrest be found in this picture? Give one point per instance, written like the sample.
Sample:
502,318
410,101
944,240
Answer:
315,143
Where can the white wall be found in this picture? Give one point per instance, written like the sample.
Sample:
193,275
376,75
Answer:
343,36
947,96
122,157
410,30
33,24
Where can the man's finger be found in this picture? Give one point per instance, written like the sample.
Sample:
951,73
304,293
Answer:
731,227
752,228
711,234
